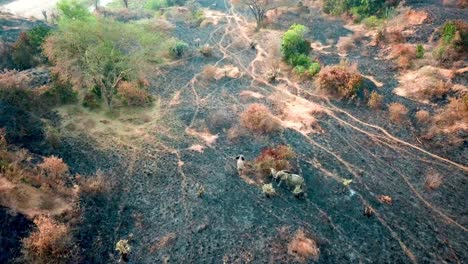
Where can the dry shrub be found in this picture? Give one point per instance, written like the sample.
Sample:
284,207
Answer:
258,119
51,243
55,169
397,112
163,242
345,44
404,54
375,100
452,120
422,116
94,184
277,158
209,72
133,94
303,248
433,180
342,80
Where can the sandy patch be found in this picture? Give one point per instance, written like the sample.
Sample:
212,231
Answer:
197,148
250,94
207,137
298,113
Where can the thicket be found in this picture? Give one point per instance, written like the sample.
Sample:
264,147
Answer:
360,9
453,41
96,54
295,50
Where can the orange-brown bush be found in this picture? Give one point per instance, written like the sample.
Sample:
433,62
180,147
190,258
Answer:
55,169
51,243
93,184
397,112
277,158
209,72
303,248
403,54
342,80
133,94
258,119
422,116
433,180
375,100
451,120
14,91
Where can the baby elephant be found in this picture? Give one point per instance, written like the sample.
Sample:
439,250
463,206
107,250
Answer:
292,180
240,164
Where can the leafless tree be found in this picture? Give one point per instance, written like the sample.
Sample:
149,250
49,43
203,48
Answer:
259,9
125,2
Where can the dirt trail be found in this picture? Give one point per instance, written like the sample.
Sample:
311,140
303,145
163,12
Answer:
179,150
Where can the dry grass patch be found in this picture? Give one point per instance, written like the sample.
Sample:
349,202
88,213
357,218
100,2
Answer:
303,248
259,119
451,121
425,84
397,112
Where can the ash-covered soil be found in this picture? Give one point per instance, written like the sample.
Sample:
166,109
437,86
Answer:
156,177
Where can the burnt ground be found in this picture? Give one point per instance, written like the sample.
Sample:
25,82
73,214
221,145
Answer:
155,177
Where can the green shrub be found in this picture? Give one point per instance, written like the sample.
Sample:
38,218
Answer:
300,60
359,9
448,32
156,4
37,35
419,51
23,53
293,43
314,68
73,9
372,22
178,49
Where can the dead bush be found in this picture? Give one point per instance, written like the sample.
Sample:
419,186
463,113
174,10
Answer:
375,100
422,116
209,72
258,119
133,94
345,44
93,184
452,120
403,54
303,248
51,243
433,180
342,80
277,158
397,112
55,169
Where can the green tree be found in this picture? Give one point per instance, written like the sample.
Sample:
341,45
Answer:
294,44
100,53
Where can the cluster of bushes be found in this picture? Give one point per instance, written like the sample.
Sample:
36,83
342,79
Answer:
295,49
360,9
95,55
278,158
342,80
158,4
25,53
453,41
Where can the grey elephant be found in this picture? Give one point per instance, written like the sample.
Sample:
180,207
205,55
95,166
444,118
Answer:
292,180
